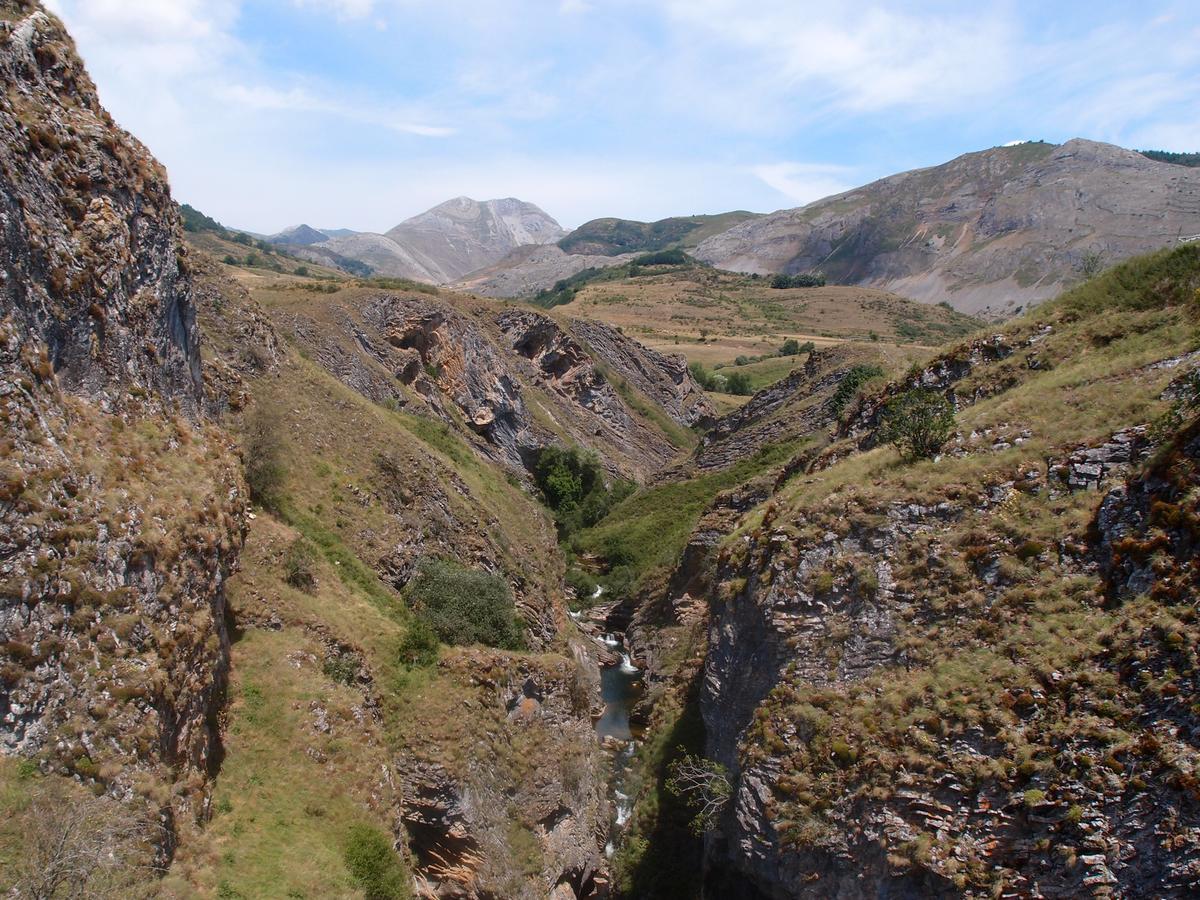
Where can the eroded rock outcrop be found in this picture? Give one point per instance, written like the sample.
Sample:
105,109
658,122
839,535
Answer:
121,511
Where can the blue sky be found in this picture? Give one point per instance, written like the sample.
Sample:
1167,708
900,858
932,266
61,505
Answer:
359,113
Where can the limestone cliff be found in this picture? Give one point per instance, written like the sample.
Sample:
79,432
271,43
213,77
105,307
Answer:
121,509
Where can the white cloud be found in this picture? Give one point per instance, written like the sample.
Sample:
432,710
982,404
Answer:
823,56
264,98
342,9
804,182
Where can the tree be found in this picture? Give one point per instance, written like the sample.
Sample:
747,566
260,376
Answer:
302,271
917,423
738,383
791,347
703,785
75,844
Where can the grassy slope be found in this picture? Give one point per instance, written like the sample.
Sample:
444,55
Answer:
714,316
272,263
288,792
966,659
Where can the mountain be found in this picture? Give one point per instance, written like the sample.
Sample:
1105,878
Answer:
989,232
299,235
463,235
442,244
611,237
530,269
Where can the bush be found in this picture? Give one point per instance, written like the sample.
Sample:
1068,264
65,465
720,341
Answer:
792,347
572,485
663,258
742,361
803,280
374,865
263,447
419,646
738,383
582,583
465,606
298,565
917,423
302,271
703,377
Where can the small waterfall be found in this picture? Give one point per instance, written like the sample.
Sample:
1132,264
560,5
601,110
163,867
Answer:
619,686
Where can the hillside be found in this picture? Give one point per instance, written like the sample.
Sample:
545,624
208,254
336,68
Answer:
612,237
989,232
950,677
667,582
714,317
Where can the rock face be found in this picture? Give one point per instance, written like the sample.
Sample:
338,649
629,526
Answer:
511,382
120,517
987,232
664,379
551,795
90,261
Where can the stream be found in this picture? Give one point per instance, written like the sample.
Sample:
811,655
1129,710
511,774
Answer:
620,685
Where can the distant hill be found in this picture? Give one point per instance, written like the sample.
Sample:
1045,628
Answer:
300,236
438,246
611,237
989,232
1191,160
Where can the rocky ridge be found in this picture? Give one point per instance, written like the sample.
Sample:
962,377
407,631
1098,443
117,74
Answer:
988,232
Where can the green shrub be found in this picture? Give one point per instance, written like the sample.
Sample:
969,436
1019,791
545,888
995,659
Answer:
703,377
374,865
742,361
738,383
917,423
663,258
582,583
851,384
572,484
791,347
802,280
465,606
263,447
419,646
299,565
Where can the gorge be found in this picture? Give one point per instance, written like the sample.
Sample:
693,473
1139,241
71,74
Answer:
315,584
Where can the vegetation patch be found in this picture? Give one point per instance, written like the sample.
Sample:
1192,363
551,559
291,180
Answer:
464,606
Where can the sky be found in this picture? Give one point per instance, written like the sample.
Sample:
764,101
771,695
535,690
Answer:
360,113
